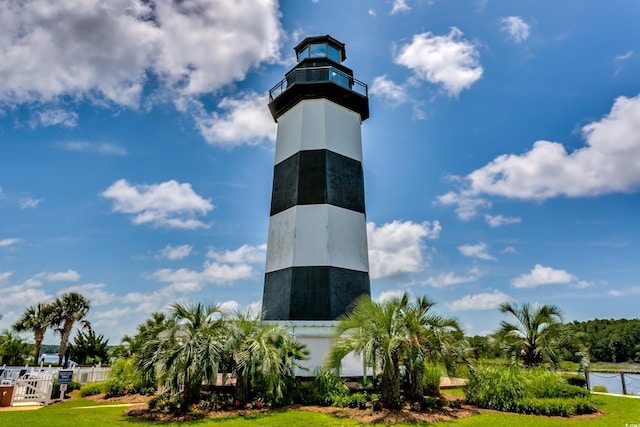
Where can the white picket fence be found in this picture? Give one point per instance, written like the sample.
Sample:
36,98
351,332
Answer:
34,385
32,388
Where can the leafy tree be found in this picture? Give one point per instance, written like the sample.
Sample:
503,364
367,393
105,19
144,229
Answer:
90,348
610,340
263,356
189,350
36,319
67,310
536,334
13,349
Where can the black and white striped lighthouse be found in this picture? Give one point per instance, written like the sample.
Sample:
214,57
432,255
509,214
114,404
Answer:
317,259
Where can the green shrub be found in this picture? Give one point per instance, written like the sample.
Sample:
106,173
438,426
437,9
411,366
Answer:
55,390
165,401
558,407
430,403
326,389
575,379
544,384
431,381
125,377
92,389
358,400
600,389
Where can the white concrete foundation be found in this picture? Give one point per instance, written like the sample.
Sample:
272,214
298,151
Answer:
318,337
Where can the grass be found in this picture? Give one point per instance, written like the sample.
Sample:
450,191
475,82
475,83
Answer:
618,411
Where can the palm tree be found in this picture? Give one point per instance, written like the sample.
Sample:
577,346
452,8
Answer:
35,319
261,352
376,332
67,310
535,335
429,339
188,351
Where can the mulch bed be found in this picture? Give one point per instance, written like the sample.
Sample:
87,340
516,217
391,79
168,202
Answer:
365,416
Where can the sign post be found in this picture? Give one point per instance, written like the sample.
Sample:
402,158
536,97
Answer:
64,379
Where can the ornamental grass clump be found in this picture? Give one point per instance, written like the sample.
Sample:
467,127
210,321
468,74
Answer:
495,387
527,391
327,389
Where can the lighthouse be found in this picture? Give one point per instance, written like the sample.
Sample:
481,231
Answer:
317,259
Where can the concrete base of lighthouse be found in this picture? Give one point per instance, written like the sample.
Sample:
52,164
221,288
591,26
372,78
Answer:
318,338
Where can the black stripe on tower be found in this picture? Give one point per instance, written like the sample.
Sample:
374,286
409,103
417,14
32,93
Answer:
312,293
313,177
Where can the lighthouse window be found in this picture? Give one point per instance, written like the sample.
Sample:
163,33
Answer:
303,54
333,53
318,50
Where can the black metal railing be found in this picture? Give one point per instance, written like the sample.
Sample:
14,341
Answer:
318,75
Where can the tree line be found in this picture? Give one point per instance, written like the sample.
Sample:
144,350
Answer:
601,340
610,340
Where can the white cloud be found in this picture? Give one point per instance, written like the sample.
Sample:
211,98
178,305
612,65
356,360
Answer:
625,56
466,205
619,61
8,242
541,275
168,204
508,250
25,294
482,301
244,254
606,165
254,308
389,295
61,276
630,291
102,148
396,248
94,292
399,6
582,284
246,120
499,220
515,26
478,250
176,252
229,307
448,60
385,88
96,50
444,280
4,277
227,268
54,117
114,313
29,203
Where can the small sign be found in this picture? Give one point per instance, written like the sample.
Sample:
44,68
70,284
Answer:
64,377
63,387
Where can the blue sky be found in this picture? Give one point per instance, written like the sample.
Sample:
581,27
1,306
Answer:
501,158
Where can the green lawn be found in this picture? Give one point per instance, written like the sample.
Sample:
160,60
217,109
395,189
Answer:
618,411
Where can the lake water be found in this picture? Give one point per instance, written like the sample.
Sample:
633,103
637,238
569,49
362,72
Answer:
613,382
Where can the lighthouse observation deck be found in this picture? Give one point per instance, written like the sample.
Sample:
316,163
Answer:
320,74
315,75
